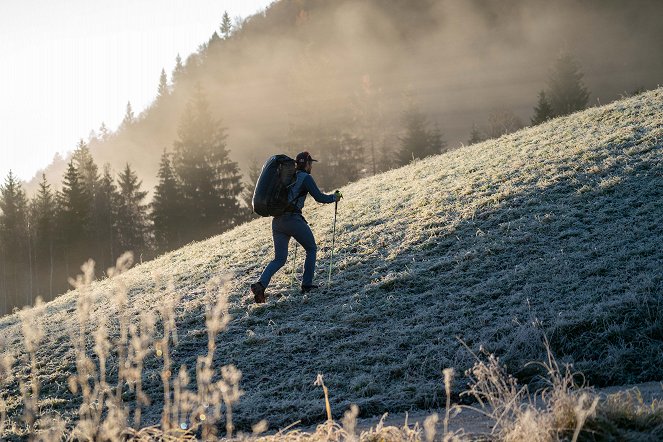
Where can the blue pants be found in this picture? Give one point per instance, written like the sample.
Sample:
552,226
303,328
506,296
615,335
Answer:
283,228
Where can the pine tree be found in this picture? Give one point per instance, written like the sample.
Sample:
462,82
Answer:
73,220
163,90
131,221
42,212
343,159
87,169
107,202
210,181
90,180
226,26
566,90
129,118
418,141
104,133
15,239
167,208
543,110
178,70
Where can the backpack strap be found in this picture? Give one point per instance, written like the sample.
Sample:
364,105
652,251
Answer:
302,192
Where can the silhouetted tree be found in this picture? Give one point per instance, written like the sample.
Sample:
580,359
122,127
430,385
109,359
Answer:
42,213
566,90
73,220
226,26
178,70
131,221
210,181
418,141
104,133
107,202
163,90
15,242
543,110
129,117
167,208
342,161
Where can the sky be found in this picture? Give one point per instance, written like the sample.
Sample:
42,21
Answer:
68,66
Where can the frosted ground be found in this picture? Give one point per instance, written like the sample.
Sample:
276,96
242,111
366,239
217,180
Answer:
552,230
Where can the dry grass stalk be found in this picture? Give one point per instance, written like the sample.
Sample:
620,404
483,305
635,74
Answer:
32,334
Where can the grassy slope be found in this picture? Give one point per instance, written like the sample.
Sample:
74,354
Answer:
553,229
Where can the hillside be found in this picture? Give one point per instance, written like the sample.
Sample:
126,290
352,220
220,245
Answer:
551,230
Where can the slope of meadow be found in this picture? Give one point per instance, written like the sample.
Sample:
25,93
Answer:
554,230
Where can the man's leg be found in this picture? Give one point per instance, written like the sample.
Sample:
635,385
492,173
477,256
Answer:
281,241
304,236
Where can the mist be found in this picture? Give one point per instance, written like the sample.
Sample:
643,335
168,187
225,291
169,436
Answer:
305,68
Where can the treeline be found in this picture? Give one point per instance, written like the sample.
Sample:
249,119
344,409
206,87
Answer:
98,215
565,93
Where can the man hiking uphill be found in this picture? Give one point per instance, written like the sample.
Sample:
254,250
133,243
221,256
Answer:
292,224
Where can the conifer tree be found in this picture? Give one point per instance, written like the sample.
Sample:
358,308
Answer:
543,110
42,212
129,118
73,219
90,179
167,207
107,202
226,26
15,241
178,70
418,141
103,132
131,221
343,159
566,90
163,90
210,181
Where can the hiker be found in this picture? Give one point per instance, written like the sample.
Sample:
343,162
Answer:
293,224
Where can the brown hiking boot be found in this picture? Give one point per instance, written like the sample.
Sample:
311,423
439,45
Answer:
258,293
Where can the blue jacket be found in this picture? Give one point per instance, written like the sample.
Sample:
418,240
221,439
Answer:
305,184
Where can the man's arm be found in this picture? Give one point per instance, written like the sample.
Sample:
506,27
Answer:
312,188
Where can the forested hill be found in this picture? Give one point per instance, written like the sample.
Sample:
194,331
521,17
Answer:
553,231
336,77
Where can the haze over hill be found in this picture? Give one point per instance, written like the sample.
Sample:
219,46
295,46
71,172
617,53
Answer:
303,72
553,230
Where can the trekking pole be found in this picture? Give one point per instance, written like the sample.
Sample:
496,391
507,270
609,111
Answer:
294,263
331,260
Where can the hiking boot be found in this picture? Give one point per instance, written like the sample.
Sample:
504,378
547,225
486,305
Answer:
308,288
258,292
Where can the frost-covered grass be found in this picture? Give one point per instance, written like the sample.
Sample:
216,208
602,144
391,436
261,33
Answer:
552,230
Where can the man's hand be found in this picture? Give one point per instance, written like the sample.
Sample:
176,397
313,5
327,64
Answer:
338,195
